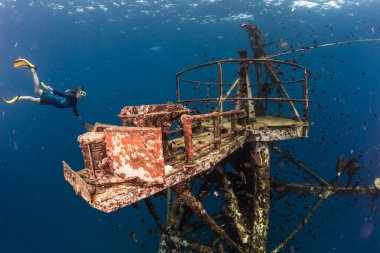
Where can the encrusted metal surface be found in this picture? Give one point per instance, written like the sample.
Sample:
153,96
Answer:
186,196
80,187
161,115
275,134
152,115
94,151
135,166
114,196
260,159
136,152
233,205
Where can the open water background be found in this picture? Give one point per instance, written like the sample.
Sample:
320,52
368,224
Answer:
127,53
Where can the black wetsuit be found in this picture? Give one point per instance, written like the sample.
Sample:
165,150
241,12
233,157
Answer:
60,100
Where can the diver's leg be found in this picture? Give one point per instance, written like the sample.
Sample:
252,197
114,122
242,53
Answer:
29,98
37,89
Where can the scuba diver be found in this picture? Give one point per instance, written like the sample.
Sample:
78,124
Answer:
58,99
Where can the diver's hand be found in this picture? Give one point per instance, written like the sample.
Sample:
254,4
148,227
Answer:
46,87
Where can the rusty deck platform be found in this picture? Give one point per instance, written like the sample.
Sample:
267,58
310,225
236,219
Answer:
110,193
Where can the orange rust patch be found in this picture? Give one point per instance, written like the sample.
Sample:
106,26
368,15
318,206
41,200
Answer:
136,153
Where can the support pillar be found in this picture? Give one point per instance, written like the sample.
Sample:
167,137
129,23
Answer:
260,162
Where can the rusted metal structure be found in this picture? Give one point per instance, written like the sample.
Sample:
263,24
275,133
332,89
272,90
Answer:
190,145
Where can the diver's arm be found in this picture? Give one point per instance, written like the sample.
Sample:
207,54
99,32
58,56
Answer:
63,94
76,111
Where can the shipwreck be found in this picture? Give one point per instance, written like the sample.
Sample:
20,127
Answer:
229,113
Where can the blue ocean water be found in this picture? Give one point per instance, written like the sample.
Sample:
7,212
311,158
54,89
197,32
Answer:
127,53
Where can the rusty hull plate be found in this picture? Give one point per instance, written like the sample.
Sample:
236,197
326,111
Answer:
136,153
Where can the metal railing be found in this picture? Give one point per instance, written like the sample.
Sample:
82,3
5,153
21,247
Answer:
220,99
218,136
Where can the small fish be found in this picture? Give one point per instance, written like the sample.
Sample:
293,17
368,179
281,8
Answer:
155,48
340,167
283,45
134,237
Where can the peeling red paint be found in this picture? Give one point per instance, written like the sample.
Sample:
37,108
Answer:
136,153
161,115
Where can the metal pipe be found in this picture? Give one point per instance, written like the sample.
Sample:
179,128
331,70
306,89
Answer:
237,99
299,165
277,82
316,189
214,141
247,60
305,96
229,92
220,86
155,216
216,125
215,114
196,206
177,88
305,220
200,82
188,139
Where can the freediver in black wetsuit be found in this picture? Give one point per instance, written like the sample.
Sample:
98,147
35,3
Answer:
58,99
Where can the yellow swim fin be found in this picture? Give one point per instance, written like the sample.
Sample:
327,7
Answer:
45,86
11,101
19,63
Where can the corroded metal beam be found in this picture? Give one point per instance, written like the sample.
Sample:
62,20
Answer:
196,206
270,70
203,193
232,205
315,189
305,220
173,215
181,242
189,228
299,165
244,90
155,216
260,162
